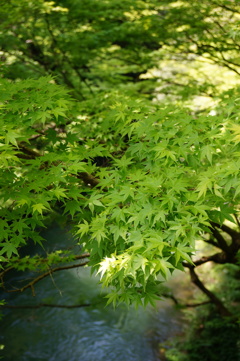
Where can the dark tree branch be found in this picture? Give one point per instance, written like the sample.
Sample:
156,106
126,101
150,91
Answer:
88,179
232,249
226,64
25,60
227,256
226,33
184,305
215,300
44,275
55,44
45,260
47,305
172,297
234,234
220,257
2,274
237,220
212,242
222,244
221,61
223,6
28,151
83,79
42,260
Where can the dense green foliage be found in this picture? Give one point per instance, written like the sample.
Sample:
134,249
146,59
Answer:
208,334
166,178
83,135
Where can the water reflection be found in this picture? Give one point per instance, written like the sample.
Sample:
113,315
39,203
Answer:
81,334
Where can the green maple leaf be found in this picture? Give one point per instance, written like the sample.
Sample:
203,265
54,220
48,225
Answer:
72,207
83,228
19,226
60,193
39,207
9,248
11,137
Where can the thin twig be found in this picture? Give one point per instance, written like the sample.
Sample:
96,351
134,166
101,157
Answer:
44,275
184,305
47,305
43,260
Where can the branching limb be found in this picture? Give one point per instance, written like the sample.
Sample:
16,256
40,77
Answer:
232,249
234,234
215,300
222,244
28,153
43,260
220,257
47,305
44,275
190,305
228,255
184,305
212,242
88,179
226,7
237,220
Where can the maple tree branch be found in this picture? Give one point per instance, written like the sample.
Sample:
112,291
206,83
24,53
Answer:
223,6
234,234
220,257
47,305
53,126
44,275
212,242
88,179
222,244
215,300
2,274
232,249
237,220
184,305
226,33
43,260
28,153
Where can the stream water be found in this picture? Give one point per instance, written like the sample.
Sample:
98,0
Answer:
95,333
